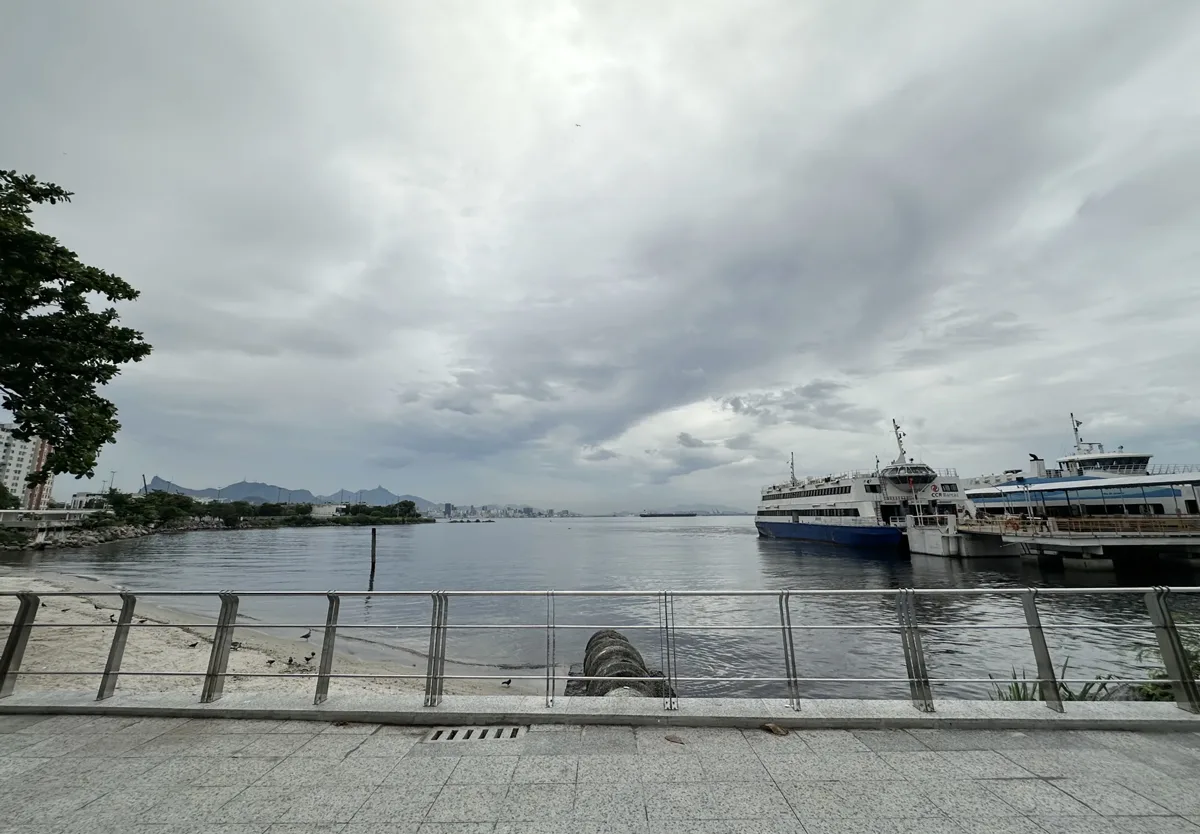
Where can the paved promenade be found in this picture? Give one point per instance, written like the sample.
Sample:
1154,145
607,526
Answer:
62,775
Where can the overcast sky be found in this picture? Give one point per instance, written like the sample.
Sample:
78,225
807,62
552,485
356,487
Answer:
623,254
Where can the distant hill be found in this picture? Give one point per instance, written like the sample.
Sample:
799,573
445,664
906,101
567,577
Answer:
258,493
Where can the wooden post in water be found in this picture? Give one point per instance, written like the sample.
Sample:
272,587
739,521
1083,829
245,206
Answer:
374,533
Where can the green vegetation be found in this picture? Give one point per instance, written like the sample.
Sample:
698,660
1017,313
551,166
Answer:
1163,691
160,507
57,345
1022,688
17,537
8,501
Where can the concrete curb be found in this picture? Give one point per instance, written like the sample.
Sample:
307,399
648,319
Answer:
693,712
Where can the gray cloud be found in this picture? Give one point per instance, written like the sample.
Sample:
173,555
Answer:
816,404
375,235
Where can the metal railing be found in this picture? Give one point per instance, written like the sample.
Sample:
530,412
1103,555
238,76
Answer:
1176,658
1155,525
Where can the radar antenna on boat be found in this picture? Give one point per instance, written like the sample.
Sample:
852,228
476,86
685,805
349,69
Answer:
792,468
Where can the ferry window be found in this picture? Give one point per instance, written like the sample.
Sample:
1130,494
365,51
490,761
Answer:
949,487
1192,507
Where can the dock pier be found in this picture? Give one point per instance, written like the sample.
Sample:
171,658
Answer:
1079,543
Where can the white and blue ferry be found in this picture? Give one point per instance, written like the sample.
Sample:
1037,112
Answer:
861,508
1126,483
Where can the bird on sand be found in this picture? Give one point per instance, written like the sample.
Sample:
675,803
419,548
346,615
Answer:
193,645
310,657
111,618
97,607
291,661
235,645
306,635
142,621
269,662
506,683
63,610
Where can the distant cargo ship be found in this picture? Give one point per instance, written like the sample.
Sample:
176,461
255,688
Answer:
666,515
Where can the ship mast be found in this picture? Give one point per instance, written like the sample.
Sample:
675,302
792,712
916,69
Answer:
899,442
1075,424
792,468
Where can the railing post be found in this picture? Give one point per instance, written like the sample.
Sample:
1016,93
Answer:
789,650
435,669
1174,655
18,639
218,658
326,665
914,653
1041,652
666,647
112,669
551,649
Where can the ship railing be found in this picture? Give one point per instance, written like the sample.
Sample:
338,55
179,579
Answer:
1187,526
788,616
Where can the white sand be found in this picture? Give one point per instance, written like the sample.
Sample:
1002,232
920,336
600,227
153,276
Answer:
81,646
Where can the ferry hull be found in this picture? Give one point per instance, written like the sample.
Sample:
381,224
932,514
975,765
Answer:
857,536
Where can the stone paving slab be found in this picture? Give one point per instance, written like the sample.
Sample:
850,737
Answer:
170,776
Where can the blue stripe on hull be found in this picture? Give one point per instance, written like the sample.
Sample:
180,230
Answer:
881,536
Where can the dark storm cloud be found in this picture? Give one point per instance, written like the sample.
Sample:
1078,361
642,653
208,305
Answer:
688,442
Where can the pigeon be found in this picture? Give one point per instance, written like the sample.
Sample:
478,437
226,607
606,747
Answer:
235,645
306,635
506,683
674,739
63,610
291,661
97,607
43,605
142,621
269,662
193,645
310,657
111,618
775,729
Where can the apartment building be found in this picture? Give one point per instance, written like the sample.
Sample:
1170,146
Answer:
19,458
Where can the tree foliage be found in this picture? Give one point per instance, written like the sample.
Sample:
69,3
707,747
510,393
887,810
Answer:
8,501
56,348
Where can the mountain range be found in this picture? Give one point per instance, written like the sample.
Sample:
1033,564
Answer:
257,493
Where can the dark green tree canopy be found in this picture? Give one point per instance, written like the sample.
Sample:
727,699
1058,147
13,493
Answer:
57,347
8,501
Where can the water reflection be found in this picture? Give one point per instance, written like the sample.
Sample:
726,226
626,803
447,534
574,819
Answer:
968,636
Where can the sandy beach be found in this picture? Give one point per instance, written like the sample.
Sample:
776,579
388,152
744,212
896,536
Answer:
159,645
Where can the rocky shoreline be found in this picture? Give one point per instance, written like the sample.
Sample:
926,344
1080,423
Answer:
91,536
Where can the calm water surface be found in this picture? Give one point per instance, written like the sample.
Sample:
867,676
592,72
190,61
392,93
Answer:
636,554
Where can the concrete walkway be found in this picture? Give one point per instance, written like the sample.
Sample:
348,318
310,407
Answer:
77,774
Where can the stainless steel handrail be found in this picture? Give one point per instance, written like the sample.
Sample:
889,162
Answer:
1175,656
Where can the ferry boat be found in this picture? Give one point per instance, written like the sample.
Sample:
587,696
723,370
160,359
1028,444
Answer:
1127,484
859,509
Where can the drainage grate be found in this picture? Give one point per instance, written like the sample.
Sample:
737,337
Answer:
497,733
